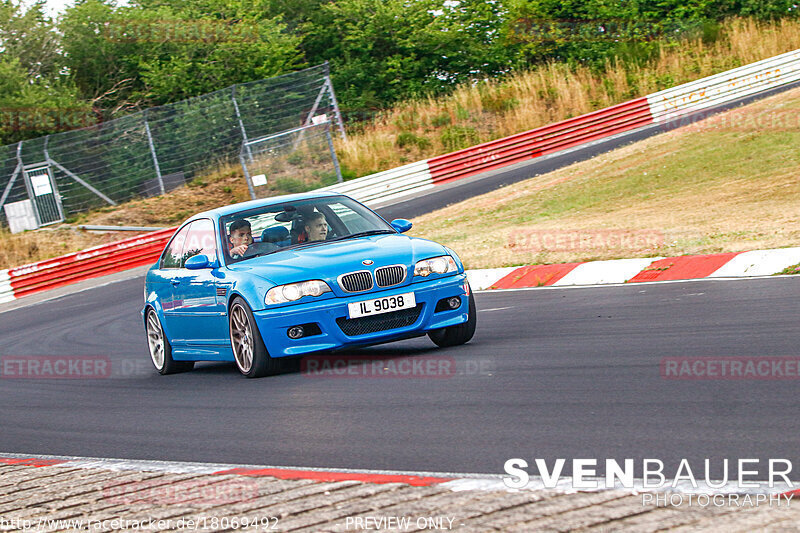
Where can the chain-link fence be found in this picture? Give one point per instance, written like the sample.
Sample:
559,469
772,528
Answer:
154,151
294,160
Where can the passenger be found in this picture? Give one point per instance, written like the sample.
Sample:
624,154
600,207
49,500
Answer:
241,238
316,227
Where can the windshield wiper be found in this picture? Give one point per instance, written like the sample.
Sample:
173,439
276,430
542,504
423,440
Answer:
363,234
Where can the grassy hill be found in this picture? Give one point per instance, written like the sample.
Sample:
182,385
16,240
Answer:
473,114
729,183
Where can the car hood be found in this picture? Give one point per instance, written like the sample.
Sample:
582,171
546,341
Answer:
328,260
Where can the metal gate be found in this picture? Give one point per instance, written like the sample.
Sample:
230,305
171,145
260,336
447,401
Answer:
43,193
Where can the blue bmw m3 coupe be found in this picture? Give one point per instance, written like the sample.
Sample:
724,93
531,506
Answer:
257,282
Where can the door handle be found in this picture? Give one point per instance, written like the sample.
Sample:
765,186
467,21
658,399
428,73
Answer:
175,282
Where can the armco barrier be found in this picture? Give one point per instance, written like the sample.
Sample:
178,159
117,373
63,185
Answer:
6,292
387,185
661,107
541,141
725,87
90,263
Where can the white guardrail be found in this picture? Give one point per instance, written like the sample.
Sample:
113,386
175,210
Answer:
725,87
6,292
387,185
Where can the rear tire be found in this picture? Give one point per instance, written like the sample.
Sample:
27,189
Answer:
249,352
160,348
460,334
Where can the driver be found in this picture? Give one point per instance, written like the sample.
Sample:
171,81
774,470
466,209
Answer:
241,238
316,227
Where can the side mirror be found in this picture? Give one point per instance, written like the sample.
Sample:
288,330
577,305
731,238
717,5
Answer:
199,262
402,225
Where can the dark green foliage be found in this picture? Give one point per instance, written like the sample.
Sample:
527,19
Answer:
105,61
458,137
407,139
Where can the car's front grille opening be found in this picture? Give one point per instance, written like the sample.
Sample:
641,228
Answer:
390,276
352,327
356,281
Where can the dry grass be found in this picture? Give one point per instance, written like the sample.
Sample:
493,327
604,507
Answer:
723,185
478,113
495,109
219,187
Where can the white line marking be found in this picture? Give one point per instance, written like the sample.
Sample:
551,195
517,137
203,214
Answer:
637,284
493,309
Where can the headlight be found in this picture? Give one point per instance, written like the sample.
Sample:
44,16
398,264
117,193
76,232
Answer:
436,265
294,291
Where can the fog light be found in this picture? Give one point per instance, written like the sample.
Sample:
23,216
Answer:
295,332
454,302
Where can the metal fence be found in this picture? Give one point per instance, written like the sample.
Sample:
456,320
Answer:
295,160
151,152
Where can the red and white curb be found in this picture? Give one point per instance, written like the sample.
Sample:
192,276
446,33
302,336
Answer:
735,265
447,480
715,266
419,479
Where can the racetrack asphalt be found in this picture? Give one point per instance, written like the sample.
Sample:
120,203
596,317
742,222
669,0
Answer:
551,373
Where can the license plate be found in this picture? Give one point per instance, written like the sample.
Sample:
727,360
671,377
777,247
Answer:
378,306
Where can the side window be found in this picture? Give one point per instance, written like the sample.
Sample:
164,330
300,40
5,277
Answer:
200,240
174,252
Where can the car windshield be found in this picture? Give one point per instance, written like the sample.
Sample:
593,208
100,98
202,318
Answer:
301,223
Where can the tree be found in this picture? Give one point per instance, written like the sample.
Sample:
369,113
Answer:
36,97
153,53
592,31
382,51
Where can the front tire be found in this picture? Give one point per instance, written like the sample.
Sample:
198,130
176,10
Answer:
249,352
160,348
460,334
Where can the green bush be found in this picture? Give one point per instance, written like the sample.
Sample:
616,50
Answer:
407,139
497,103
458,137
440,120
291,185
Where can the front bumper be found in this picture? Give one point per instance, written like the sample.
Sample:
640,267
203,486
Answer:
274,323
